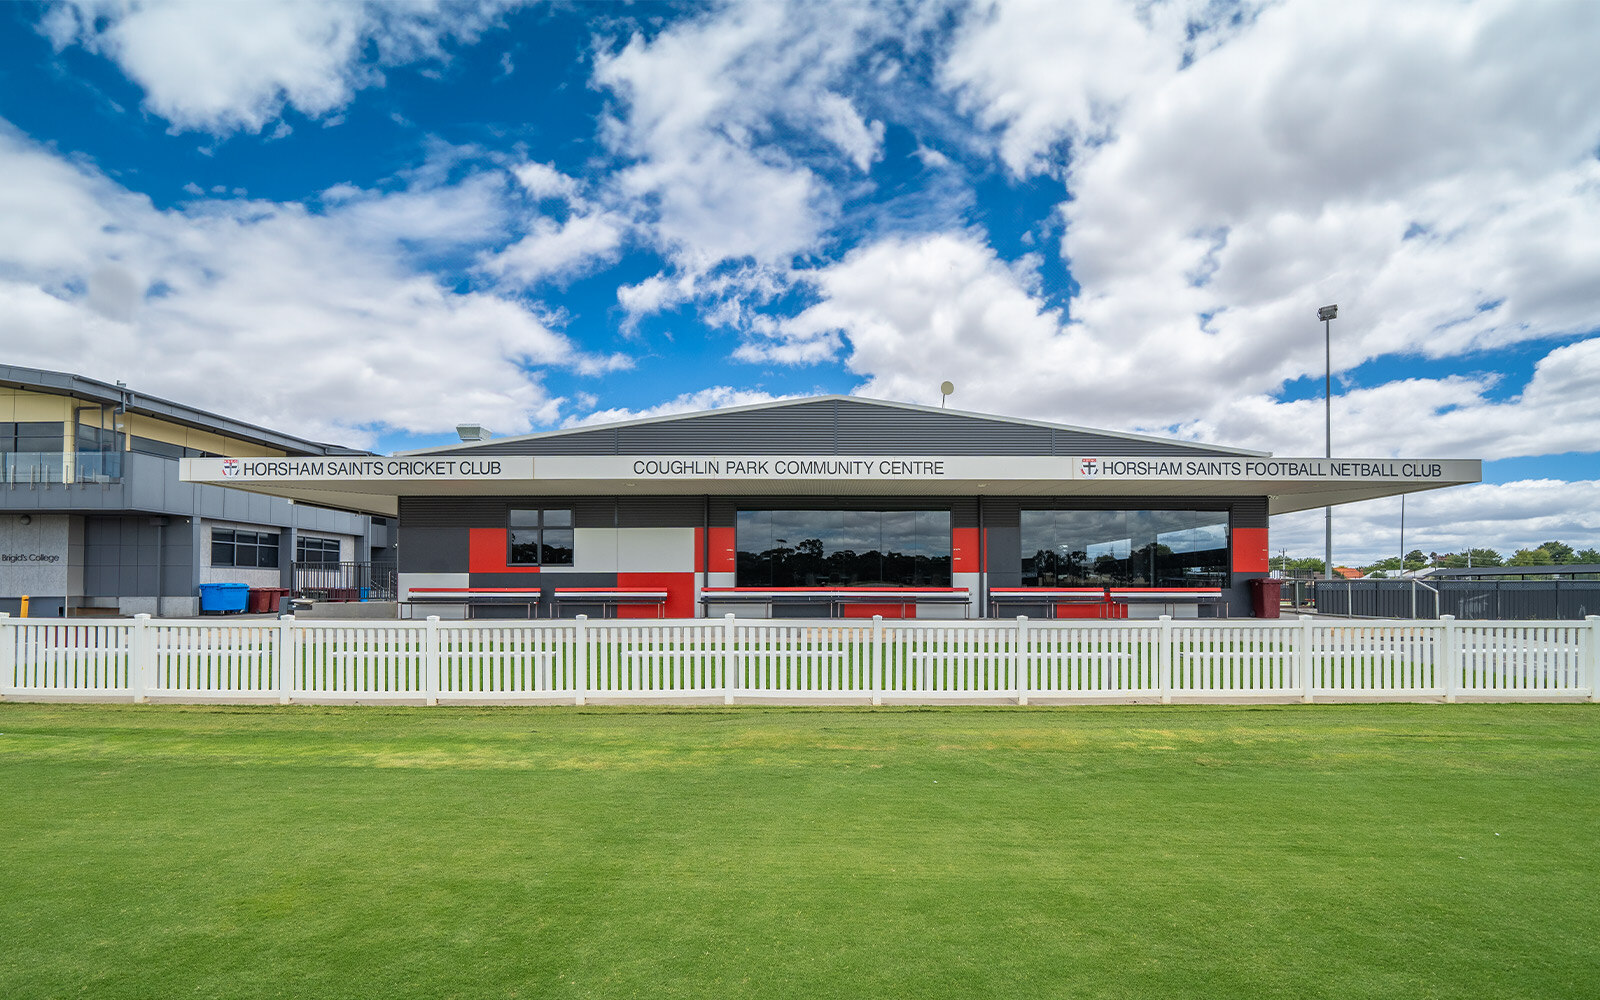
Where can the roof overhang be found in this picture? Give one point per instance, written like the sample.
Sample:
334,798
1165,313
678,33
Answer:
374,485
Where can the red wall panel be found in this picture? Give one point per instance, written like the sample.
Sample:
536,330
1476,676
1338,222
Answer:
487,549
964,554
724,556
886,610
679,588
1250,550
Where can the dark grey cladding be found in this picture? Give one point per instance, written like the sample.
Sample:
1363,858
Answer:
838,426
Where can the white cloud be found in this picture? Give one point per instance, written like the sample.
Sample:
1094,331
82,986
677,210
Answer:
1425,167
541,180
1039,73
711,111
841,124
222,67
313,323
552,249
712,398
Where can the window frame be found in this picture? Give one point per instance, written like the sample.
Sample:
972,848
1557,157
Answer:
541,529
1120,568
257,542
304,543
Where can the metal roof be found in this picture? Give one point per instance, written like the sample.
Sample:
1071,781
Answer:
803,420
93,390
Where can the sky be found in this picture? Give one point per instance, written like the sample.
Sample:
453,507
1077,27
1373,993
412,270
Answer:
368,223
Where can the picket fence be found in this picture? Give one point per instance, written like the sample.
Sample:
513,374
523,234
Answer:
839,662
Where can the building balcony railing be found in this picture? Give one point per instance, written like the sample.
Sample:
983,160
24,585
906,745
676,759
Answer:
47,468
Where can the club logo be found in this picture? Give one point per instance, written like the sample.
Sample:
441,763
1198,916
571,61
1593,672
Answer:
230,467
1089,467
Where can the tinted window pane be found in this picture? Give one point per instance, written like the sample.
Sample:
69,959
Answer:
267,551
1124,548
525,547
842,548
221,551
150,446
557,550
524,519
558,519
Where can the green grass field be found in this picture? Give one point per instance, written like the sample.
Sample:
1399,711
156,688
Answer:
1309,851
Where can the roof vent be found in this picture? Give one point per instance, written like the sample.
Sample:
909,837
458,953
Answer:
471,432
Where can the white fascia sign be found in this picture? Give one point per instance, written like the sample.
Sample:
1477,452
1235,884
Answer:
351,469
966,468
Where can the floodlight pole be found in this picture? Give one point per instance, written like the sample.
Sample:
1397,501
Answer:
1327,315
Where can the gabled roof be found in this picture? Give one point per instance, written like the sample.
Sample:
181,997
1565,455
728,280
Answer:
840,425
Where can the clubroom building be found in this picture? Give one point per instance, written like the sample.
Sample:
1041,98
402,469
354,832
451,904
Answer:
831,506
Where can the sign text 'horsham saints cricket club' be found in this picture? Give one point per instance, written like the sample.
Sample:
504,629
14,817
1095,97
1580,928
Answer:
357,468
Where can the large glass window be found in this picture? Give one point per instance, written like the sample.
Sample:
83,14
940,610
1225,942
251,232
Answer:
843,548
541,538
30,450
231,547
1124,548
99,452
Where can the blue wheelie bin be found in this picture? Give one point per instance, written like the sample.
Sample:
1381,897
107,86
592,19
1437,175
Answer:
223,596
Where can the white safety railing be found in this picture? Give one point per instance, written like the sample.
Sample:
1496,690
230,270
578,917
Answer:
745,660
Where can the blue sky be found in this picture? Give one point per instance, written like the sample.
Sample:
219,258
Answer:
368,223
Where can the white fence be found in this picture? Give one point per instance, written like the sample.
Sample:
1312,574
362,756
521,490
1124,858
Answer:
743,660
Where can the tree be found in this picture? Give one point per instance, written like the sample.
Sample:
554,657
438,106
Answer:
1304,566
1587,556
1486,557
1416,556
1531,557
1560,552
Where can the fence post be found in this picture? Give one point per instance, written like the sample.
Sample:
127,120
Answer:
1164,659
286,657
1019,659
8,655
580,666
1447,659
730,659
1593,657
140,663
875,654
432,662
1306,661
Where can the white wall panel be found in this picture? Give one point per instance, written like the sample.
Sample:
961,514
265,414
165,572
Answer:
594,550
408,580
655,550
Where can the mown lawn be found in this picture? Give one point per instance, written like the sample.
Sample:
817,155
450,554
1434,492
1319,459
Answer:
1306,851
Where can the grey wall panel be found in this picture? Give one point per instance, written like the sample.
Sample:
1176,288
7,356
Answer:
964,512
100,580
441,512
213,503
492,512
1250,512
836,427
660,512
433,550
146,493
1004,554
